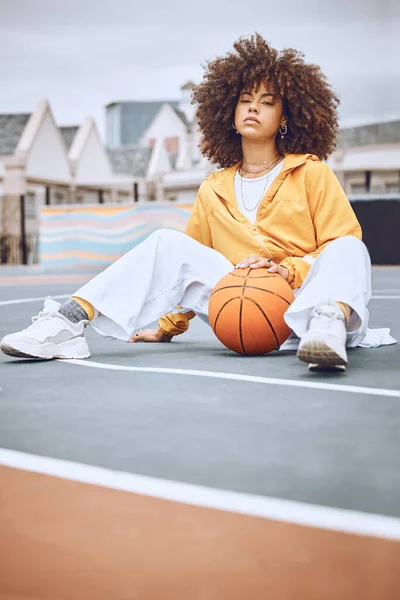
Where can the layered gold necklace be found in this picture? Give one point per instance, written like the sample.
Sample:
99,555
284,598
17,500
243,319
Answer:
266,165
270,165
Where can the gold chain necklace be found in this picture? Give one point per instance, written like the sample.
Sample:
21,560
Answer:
267,164
263,192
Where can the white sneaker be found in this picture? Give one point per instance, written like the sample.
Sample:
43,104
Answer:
51,335
324,343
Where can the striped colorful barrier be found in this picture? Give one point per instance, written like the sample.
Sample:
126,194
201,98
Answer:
98,235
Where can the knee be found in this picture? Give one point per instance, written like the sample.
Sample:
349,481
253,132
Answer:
347,243
166,235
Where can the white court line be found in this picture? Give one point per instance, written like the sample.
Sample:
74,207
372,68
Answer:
352,389
278,509
23,300
42,298
388,291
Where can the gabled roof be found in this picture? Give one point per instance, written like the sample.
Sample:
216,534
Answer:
132,161
11,128
368,135
189,85
68,134
183,117
136,117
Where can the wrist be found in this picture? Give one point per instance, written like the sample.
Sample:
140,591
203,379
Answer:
285,272
290,273
164,336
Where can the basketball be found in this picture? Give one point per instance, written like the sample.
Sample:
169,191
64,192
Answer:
246,311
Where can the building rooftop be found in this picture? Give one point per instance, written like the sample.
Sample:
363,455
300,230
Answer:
131,161
183,117
68,134
189,85
136,117
369,135
11,128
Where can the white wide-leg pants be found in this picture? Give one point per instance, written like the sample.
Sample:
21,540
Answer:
170,269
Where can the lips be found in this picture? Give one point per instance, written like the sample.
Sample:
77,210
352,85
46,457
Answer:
251,120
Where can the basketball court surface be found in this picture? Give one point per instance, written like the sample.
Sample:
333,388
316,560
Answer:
182,471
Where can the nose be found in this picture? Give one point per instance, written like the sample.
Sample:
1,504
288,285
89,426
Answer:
253,108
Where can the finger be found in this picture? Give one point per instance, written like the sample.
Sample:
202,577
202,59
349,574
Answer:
246,262
273,269
258,265
137,337
262,263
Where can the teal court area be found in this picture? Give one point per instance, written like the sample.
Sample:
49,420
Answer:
193,411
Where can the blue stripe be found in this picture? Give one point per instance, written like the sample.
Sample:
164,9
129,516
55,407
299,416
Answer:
125,215
100,232
87,246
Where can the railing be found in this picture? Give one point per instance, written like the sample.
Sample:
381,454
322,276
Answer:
375,191
16,251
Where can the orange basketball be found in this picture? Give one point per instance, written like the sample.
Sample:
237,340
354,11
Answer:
246,311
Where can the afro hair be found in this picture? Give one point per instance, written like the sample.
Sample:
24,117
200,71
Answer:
309,103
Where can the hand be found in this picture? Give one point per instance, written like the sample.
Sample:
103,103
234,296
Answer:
151,335
258,262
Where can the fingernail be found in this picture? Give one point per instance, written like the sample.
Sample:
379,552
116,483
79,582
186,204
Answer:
270,270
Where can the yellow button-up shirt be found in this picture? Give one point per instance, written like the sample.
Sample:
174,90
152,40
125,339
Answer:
304,209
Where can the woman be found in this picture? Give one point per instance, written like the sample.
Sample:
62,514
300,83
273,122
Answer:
267,119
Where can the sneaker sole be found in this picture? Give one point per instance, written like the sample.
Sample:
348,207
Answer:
324,368
319,353
76,348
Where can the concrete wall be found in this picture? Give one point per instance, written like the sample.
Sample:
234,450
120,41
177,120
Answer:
76,235
98,235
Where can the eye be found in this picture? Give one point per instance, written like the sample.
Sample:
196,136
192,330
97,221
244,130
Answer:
243,101
268,103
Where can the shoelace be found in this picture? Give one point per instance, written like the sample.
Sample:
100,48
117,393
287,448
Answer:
39,318
329,317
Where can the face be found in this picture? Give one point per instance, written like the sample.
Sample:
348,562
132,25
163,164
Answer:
258,115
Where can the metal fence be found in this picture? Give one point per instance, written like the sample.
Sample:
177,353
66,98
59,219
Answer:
18,250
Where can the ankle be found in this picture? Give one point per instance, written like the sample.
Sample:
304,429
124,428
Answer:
73,311
89,309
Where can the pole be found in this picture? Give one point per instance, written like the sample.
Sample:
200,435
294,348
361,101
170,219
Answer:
136,192
24,248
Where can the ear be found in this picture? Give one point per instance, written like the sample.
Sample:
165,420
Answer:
283,121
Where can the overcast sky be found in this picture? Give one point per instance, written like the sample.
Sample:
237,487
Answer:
83,54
